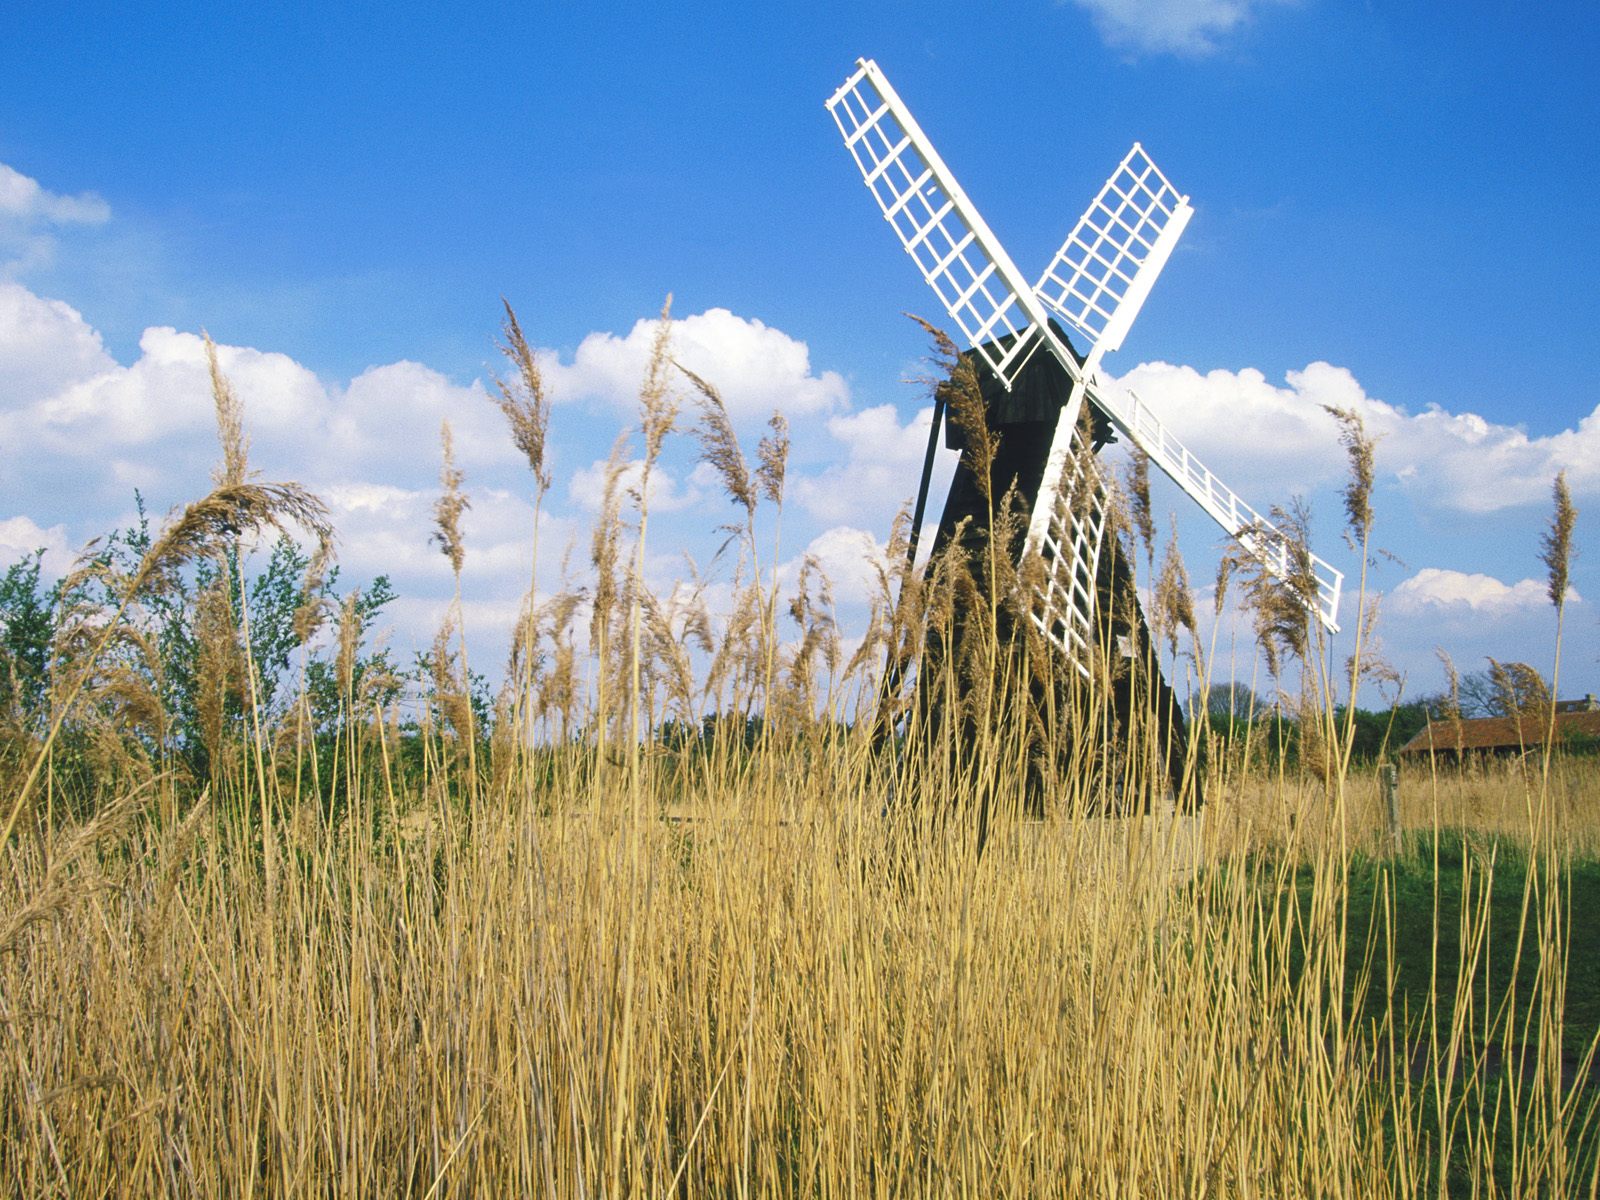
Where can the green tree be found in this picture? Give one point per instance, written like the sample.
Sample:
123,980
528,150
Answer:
25,628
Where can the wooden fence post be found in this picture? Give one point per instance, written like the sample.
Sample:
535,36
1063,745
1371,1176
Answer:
1389,781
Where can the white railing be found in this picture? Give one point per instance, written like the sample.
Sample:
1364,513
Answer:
1276,551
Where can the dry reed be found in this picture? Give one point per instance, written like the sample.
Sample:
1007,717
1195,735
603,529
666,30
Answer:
763,978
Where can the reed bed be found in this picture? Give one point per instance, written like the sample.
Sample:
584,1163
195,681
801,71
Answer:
683,921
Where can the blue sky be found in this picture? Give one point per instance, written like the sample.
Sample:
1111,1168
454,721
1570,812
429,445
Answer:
1394,209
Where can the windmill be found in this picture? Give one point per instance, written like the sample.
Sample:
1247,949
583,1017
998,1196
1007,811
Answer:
1017,337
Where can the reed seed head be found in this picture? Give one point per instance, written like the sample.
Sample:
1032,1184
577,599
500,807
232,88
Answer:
1519,690
1219,599
523,399
719,444
313,604
1174,603
344,667
450,695
1556,543
957,382
447,509
774,455
605,542
234,467
1359,447
1452,696
657,407
208,527
1138,480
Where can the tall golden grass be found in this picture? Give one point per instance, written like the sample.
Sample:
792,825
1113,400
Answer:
768,959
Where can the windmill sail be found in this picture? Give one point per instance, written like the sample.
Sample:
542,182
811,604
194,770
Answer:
961,260
1097,283
1002,319
1100,277
1316,582
1067,534
1313,579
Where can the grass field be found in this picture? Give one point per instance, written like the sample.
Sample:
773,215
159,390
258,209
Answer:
570,952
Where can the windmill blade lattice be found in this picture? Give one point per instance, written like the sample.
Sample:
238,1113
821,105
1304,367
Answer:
1066,534
957,254
1067,526
1097,283
1314,580
1100,277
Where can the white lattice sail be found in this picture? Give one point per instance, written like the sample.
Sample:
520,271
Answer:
957,254
1100,277
1070,536
1315,580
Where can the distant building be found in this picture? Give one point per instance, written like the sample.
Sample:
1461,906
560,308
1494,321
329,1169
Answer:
1575,721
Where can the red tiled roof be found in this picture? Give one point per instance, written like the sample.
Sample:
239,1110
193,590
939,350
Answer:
1497,733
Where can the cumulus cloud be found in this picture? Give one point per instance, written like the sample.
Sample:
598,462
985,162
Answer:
1432,589
79,431
22,199
29,214
166,393
66,400
883,462
1269,441
71,413
388,419
1473,617
108,428
64,394
411,623
588,487
45,346
386,530
755,368
20,536
1185,27
851,559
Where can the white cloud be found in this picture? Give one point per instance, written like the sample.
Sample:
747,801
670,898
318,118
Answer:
882,466
29,213
1474,617
850,558
1433,589
20,536
1185,27
45,345
412,622
387,530
754,367
66,397
78,431
22,199
1270,442
167,393
588,487
388,421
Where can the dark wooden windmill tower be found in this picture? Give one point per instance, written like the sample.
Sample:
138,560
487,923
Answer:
1050,405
